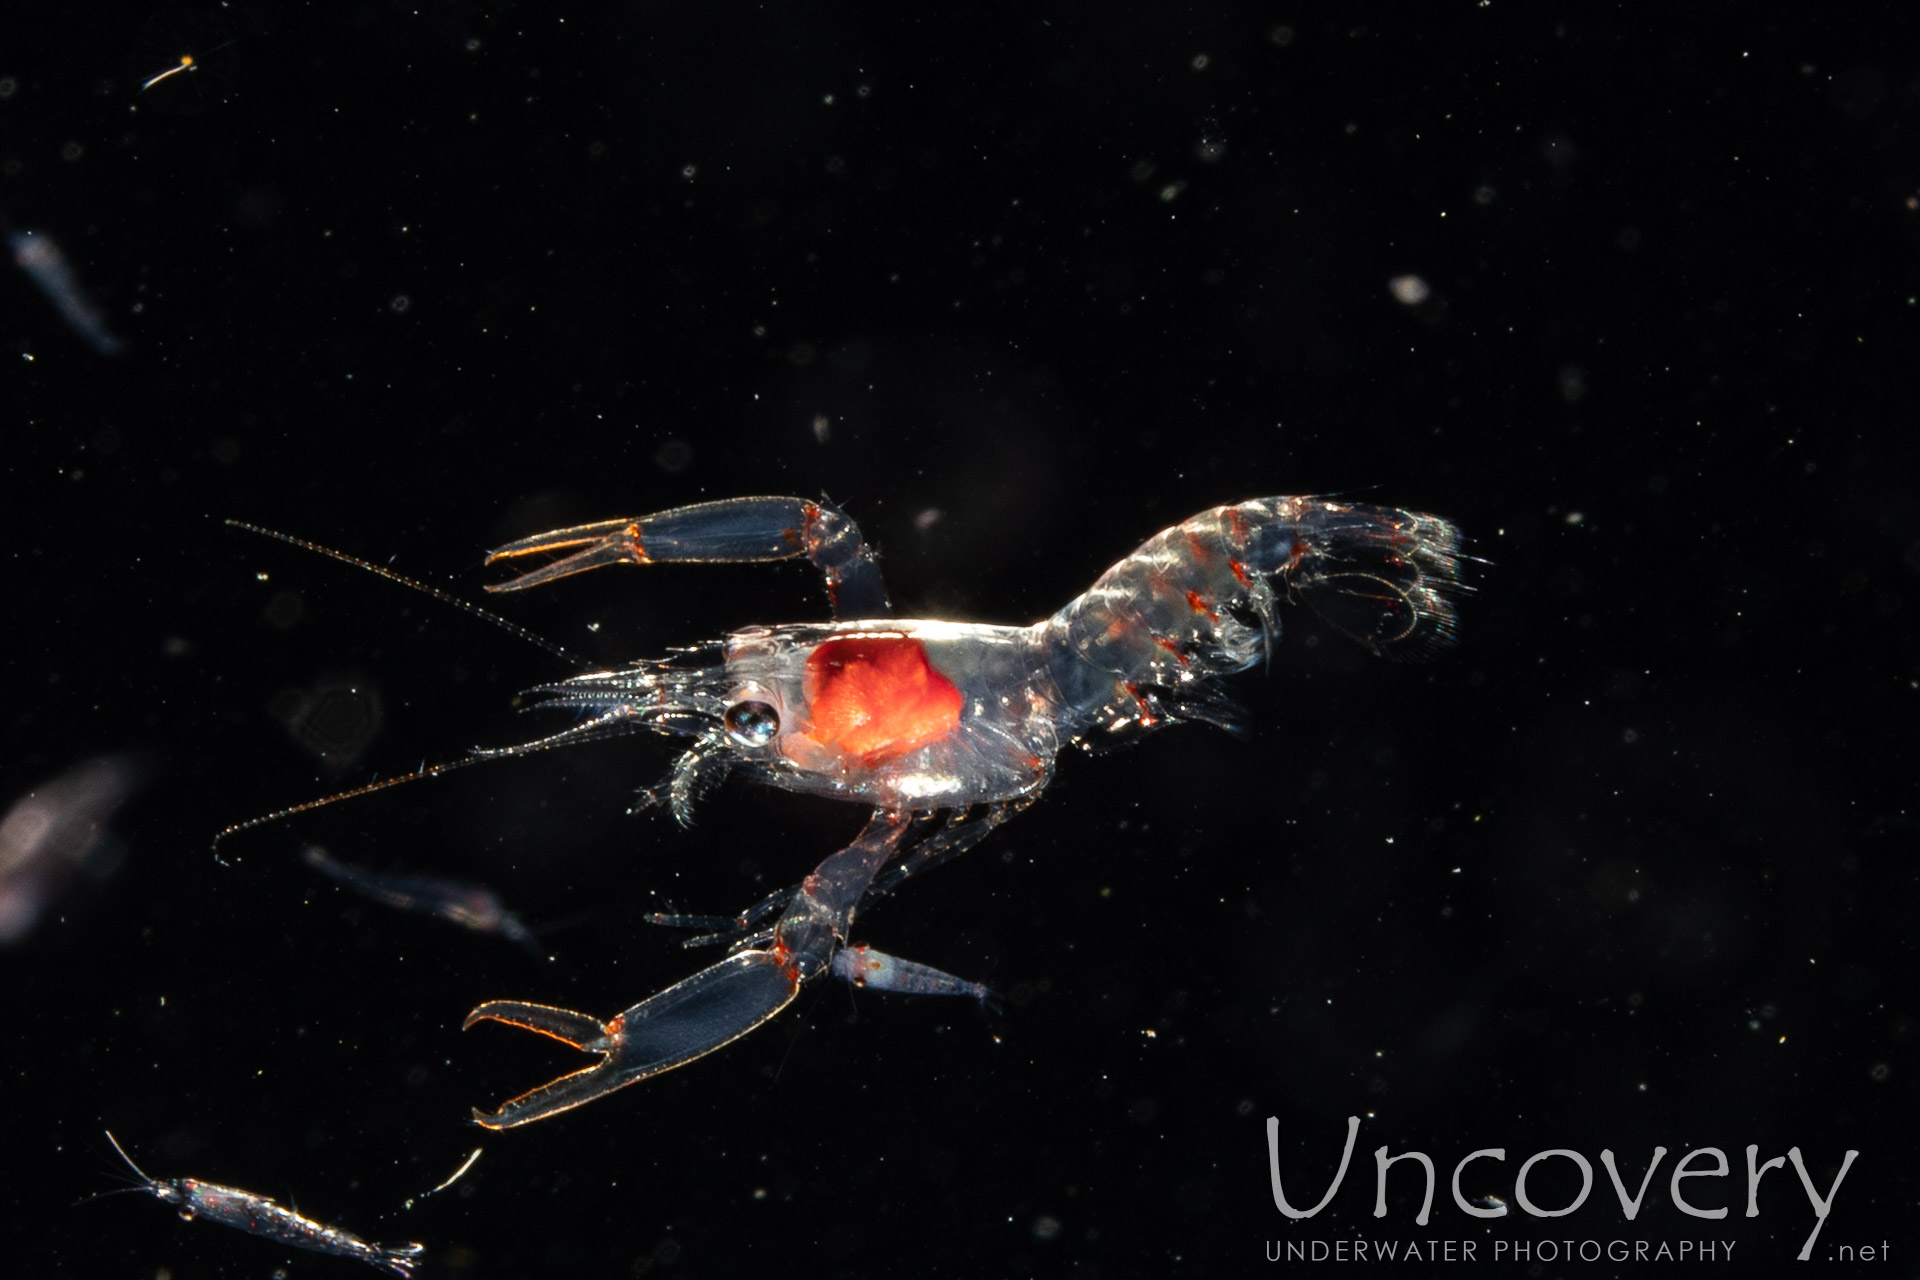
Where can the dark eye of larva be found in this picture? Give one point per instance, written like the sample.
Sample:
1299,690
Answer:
752,724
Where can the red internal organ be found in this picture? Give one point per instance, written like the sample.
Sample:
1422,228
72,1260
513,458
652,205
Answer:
878,697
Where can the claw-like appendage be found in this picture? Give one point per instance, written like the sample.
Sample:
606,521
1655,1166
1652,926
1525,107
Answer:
737,530
714,1007
613,542
569,1028
688,1020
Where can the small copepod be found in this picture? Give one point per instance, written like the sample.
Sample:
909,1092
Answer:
260,1216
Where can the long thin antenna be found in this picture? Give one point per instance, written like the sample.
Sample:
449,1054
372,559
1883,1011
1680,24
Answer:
592,730
505,624
398,779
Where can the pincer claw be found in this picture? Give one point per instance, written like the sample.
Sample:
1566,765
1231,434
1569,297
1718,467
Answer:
564,1025
688,1020
613,542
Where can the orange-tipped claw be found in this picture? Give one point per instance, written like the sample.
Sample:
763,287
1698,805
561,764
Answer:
688,1020
735,531
714,1007
569,1028
612,542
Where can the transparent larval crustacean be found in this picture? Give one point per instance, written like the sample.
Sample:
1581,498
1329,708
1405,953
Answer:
258,1215
942,730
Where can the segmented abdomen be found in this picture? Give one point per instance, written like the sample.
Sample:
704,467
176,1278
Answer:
1195,600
